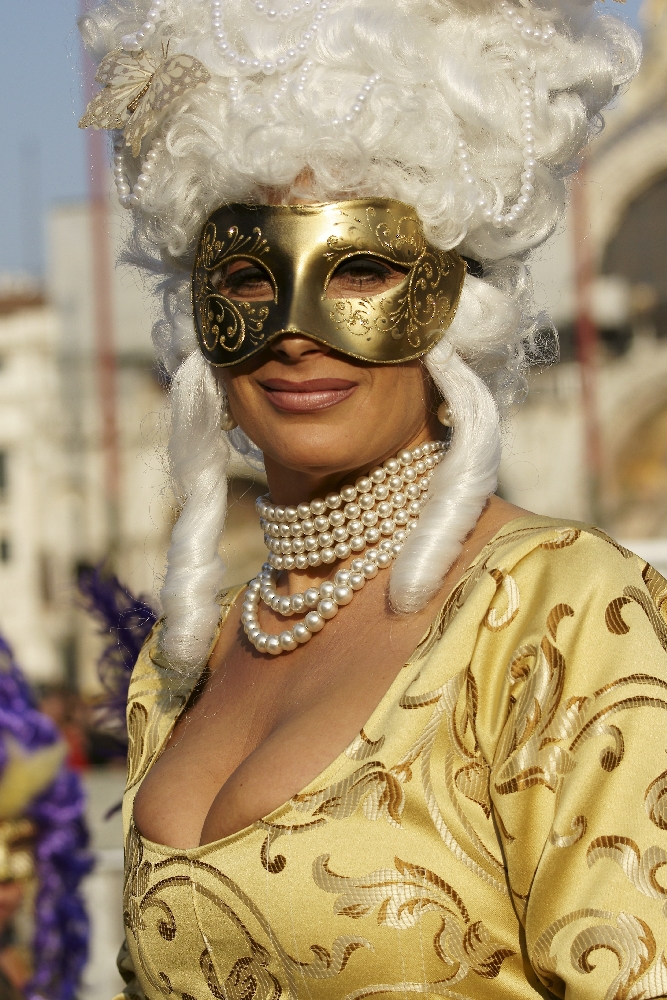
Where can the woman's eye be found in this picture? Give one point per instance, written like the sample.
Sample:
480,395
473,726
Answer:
363,276
245,282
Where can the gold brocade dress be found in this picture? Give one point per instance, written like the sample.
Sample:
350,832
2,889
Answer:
498,829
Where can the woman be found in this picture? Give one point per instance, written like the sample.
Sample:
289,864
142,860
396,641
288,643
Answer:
423,751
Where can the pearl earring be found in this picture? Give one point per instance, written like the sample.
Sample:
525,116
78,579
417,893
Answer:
445,414
227,421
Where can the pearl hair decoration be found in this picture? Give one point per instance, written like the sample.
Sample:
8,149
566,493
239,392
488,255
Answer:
398,478
135,41
523,25
130,197
529,33
291,57
249,66
385,502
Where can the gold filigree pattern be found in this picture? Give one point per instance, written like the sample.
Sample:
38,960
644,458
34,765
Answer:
402,897
223,323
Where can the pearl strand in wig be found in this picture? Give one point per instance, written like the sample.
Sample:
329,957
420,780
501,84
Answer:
199,453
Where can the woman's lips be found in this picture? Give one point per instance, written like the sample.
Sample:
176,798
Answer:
303,397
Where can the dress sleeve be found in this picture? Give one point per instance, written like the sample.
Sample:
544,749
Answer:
571,667
132,989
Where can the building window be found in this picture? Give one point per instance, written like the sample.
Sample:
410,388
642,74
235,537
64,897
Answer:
5,550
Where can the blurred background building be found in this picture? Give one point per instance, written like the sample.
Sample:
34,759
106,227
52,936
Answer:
83,425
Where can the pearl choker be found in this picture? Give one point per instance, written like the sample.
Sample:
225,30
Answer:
381,508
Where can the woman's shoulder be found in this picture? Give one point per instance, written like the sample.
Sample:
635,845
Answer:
542,562
537,537
533,565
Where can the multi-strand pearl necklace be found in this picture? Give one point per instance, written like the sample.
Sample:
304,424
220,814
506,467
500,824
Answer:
377,509
378,506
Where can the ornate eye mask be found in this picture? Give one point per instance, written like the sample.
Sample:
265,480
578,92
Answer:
296,253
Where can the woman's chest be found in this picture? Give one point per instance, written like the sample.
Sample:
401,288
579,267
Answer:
259,732
384,870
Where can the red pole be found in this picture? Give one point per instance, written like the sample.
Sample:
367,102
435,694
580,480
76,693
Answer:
105,354
586,337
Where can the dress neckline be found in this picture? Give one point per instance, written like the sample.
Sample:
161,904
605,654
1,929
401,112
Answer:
324,777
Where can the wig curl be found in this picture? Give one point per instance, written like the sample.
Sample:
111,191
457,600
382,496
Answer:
448,72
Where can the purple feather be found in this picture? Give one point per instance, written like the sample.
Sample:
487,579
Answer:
127,620
60,945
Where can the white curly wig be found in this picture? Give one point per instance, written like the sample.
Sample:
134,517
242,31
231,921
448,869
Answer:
449,78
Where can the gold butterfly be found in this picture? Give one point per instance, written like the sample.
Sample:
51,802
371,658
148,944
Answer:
136,90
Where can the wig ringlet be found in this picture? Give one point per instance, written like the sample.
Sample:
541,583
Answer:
448,70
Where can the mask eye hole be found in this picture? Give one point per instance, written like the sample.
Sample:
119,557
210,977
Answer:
243,281
364,275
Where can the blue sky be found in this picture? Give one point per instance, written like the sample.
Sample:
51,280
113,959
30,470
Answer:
42,153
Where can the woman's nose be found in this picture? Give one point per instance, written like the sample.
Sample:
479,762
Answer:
297,347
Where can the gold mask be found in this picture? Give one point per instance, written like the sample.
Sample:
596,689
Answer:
300,247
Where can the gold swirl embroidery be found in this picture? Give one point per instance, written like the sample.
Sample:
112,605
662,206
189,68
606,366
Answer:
379,791
655,801
361,747
616,624
563,539
640,869
403,896
493,621
628,938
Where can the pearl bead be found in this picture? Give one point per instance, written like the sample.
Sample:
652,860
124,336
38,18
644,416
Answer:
314,621
318,506
343,550
371,535
304,511
261,641
273,645
301,632
348,494
327,608
392,466
333,500
381,492
342,595
370,570
301,561
356,582
298,603
383,560
287,641
357,544
311,597
364,485
285,606
336,518
340,534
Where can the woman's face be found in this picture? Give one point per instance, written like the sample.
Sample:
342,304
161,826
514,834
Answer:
315,411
